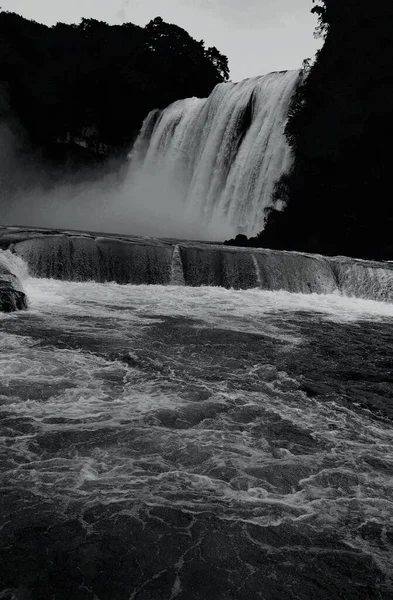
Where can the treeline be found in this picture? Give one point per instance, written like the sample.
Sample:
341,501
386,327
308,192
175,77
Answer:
91,84
339,193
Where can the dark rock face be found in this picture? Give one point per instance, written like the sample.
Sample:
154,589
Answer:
340,129
11,295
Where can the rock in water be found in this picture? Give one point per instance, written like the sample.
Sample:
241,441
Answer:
12,296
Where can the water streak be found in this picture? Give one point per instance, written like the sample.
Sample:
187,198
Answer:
257,271
177,275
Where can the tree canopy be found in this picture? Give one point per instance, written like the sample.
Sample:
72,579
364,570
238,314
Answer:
92,83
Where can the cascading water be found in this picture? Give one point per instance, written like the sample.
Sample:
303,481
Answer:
217,158
177,274
83,257
188,441
78,258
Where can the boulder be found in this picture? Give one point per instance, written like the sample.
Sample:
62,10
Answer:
12,296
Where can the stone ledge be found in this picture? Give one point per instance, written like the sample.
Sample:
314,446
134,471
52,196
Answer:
12,297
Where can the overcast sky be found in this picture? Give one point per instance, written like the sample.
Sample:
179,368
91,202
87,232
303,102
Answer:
258,36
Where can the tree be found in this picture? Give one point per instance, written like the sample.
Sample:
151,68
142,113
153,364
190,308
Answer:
320,11
91,84
219,61
340,129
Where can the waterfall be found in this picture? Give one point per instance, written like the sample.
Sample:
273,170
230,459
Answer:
218,266
85,257
78,258
364,279
217,159
295,272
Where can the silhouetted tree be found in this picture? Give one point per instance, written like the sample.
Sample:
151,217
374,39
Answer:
91,84
340,128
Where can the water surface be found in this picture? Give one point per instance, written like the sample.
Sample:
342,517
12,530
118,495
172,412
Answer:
163,442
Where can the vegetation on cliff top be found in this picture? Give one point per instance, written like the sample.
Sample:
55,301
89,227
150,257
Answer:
91,84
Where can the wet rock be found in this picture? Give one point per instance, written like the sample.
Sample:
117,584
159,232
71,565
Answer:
12,297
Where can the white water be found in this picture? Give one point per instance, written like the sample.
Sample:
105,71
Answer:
237,310
216,160
148,261
14,264
127,398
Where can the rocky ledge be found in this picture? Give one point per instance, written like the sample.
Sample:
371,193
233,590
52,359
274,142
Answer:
12,296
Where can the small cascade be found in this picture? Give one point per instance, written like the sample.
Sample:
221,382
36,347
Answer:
212,265
85,260
73,257
48,256
237,270
78,258
257,271
364,279
266,269
128,262
177,275
295,272
201,266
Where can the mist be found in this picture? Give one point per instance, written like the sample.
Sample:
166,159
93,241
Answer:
17,168
115,202
106,197
110,207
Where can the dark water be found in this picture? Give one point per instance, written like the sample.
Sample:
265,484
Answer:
195,443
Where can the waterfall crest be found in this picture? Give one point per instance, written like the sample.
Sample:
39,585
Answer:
217,158
72,256
79,258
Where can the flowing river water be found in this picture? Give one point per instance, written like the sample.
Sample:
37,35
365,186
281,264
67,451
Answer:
162,442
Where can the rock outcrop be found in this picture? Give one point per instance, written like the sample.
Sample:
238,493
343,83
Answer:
12,296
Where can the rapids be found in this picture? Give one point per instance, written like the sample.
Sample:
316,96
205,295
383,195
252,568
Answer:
76,256
195,443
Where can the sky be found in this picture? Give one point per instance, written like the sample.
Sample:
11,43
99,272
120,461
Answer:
257,36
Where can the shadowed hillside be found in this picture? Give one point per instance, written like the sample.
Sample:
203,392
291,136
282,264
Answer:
77,94
338,193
